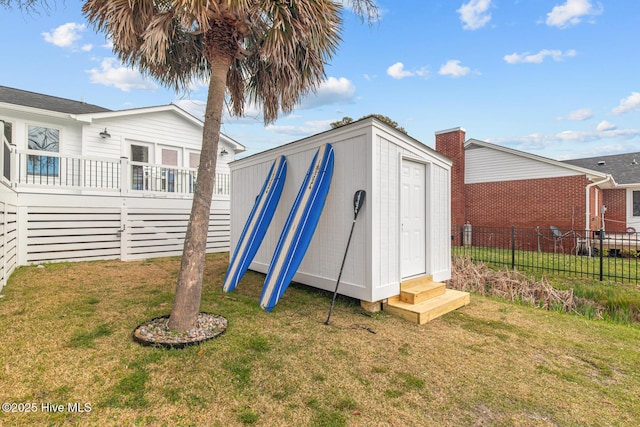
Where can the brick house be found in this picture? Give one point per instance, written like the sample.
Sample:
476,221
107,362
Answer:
497,186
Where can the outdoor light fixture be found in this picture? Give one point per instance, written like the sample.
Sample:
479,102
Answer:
224,152
105,134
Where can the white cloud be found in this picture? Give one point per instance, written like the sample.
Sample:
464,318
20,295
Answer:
65,35
252,114
571,13
474,14
578,115
112,73
454,69
192,106
628,104
537,58
349,6
331,91
310,127
398,72
538,141
604,126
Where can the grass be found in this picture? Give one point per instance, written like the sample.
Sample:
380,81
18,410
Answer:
66,338
621,299
561,264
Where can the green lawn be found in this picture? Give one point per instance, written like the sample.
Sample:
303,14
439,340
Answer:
66,339
622,269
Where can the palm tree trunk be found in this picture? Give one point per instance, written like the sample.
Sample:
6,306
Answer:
186,304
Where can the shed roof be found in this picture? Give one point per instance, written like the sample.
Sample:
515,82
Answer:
25,98
625,168
371,120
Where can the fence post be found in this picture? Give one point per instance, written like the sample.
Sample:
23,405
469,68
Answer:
124,232
3,267
124,175
601,254
513,246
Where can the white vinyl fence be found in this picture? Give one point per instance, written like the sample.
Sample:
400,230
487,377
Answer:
8,241
119,228
55,228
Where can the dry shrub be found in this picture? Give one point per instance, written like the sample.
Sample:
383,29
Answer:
514,286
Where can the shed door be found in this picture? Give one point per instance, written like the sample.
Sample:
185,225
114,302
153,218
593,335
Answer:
413,217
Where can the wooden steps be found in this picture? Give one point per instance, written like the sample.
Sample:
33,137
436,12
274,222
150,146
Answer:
422,300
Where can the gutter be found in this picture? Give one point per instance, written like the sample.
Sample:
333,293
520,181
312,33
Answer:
587,199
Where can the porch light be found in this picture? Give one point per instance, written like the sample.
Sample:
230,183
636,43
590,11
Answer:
105,134
224,152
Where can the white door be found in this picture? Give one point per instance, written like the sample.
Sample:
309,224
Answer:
413,216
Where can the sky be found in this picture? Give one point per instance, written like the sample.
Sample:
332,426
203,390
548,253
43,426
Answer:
556,78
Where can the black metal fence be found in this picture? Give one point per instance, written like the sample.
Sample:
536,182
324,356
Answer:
571,253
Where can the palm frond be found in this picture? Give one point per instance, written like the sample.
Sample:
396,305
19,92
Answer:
278,48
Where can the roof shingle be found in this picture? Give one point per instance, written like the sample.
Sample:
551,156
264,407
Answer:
625,168
46,102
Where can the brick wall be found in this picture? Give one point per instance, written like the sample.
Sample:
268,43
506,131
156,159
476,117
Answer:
451,144
524,203
616,216
529,203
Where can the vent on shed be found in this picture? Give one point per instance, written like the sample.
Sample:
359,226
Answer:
601,163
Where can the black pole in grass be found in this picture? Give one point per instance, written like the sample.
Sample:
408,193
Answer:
358,201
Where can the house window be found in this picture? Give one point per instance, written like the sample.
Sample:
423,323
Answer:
43,139
139,173
636,203
169,158
194,161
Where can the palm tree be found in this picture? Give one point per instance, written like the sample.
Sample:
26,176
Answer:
269,52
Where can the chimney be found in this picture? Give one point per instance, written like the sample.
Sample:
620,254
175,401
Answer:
450,142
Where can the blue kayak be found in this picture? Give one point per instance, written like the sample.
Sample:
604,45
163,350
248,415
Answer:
299,227
257,224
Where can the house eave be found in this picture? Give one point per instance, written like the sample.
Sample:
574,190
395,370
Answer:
39,111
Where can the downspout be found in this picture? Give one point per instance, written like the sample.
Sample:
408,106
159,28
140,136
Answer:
588,200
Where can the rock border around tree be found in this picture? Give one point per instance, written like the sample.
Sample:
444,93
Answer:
156,332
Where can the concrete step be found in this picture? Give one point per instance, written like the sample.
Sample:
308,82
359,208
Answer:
420,289
430,309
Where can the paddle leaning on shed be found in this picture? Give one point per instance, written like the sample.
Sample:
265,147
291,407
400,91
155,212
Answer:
257,224
299,227
358,201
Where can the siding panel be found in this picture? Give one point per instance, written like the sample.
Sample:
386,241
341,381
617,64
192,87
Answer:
487,165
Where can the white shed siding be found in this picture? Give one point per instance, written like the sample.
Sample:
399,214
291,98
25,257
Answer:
440,220
389,151
321,263
386,203
488,165
367,156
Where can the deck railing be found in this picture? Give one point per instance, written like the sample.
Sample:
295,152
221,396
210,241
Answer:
30,169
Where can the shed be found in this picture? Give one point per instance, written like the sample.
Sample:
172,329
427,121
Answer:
402,231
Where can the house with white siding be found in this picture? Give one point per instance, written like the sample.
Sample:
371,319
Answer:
498,186
400,252
82,182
